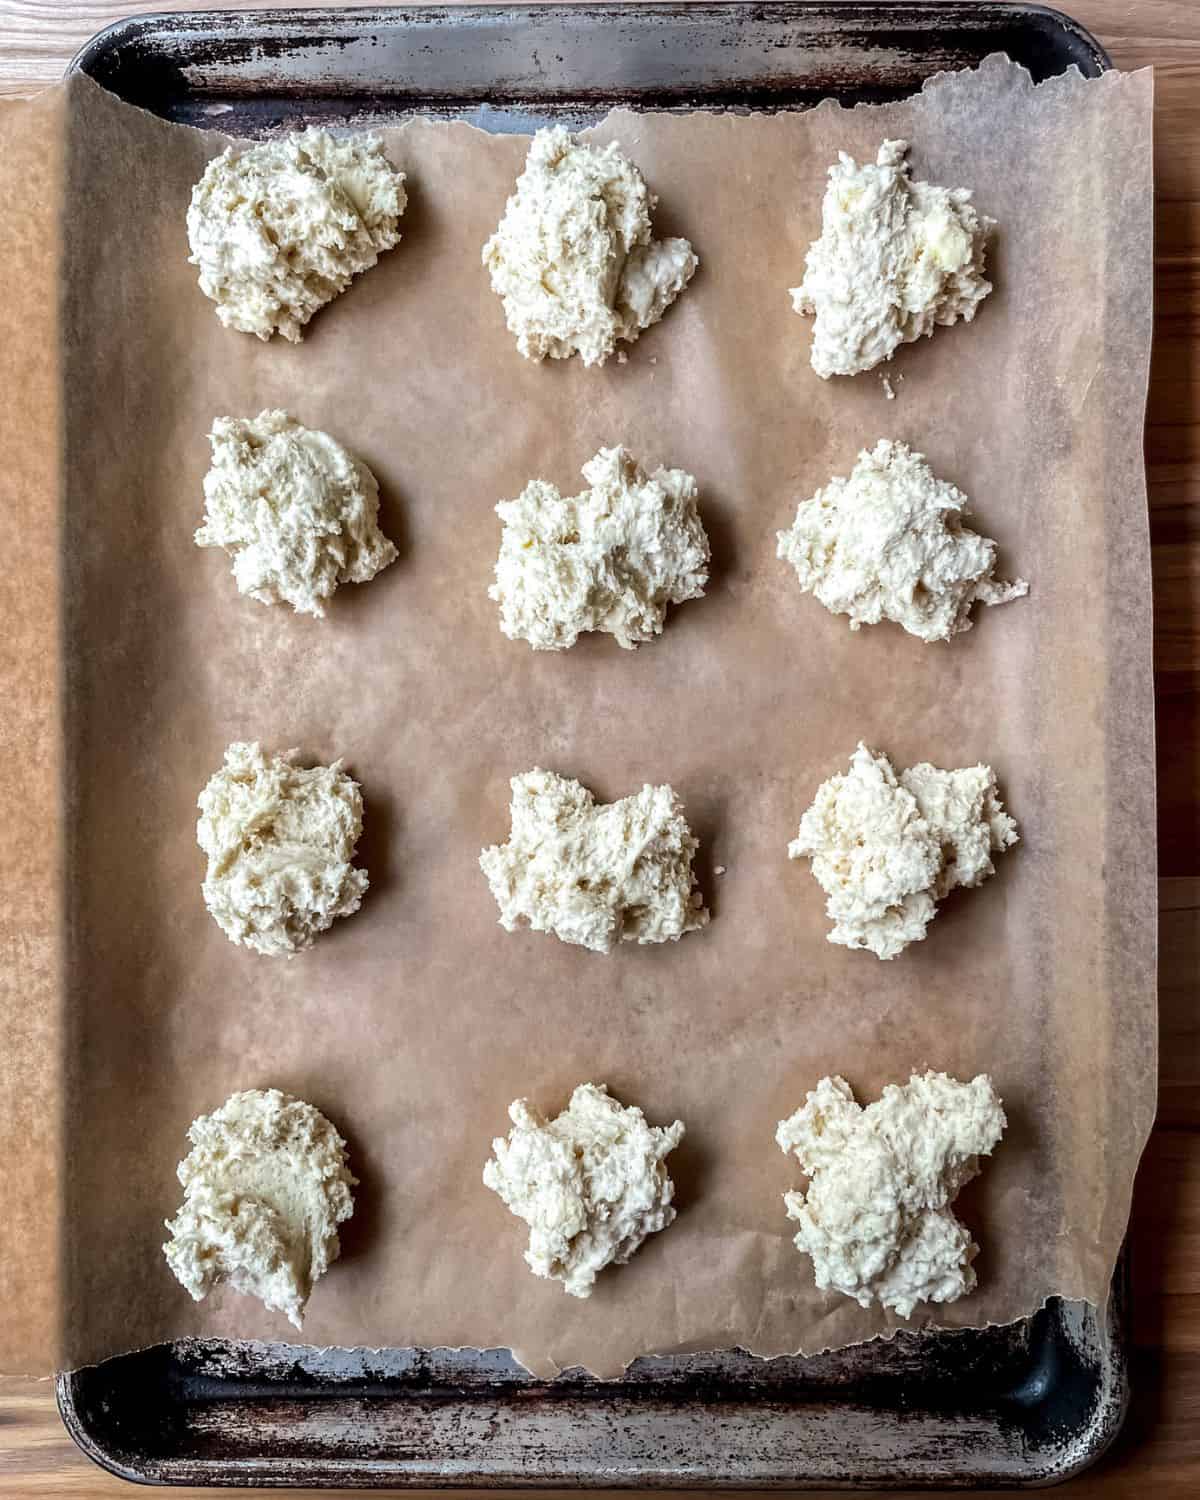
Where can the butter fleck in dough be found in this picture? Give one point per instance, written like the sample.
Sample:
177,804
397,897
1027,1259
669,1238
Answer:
573,258
885,849
877,1218
281,228
591,1184
279,840
295,511
609,559
595,874
266,1184
895,259
889,543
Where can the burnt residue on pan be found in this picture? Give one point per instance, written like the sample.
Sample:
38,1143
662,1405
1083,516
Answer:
1028,1403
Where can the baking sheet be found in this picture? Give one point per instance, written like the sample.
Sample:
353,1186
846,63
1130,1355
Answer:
413,1024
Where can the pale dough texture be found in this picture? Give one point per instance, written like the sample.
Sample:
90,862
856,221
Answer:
885,849
279,840
889,543
595,874
279,229
609,559
266,1184
591,1183
896,258
297,513
573,258
877,1217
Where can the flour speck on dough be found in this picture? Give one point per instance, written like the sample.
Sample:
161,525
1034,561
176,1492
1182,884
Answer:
886,849
889,543
595,874
281,228
574,260
279,840
895,259
266,1184
295,511
591,1183
610,559
877,1219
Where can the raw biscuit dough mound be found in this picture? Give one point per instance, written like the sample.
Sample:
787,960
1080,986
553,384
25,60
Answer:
279,229
573,258
610,559
896,258
591,1183
888,543
886,850
266,1184
877,1219
294,510
279,841
593,874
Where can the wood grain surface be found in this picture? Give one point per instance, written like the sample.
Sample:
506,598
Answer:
1159,1451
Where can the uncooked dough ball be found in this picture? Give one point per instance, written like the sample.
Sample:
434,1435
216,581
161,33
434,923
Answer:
295,511
885,849
595,874
889,543
591,1184
573,258
279,841
609,559
266,1184
877,1218
896,258
279,229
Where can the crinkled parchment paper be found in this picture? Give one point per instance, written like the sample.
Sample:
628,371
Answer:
414,1024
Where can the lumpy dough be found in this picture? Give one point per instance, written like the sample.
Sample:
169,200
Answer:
266,1184
295,511
279,229
573,258
877,1218
595,874
609,559
279,840
896,258
889,543
591,1183
885,849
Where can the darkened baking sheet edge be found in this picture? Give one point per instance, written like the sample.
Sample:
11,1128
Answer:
513,68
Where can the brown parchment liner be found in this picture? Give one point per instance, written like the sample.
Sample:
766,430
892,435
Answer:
414,1023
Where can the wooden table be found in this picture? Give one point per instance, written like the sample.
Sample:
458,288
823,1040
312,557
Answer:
1159,1451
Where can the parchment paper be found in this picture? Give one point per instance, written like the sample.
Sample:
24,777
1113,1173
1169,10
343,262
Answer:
416,1022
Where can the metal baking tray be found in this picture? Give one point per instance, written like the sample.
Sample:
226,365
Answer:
513,68
1025,1404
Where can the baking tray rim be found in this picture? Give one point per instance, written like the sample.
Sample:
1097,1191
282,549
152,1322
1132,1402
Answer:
352,16
1098,1436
